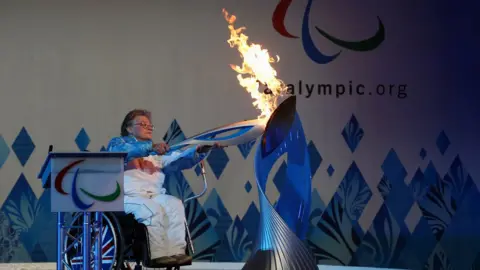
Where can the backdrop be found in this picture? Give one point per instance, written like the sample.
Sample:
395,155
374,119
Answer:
395,169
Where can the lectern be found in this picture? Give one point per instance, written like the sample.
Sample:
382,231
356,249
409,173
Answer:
85,182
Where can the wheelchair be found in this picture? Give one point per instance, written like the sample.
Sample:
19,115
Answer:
124,240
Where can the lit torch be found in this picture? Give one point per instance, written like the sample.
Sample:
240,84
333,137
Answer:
256,70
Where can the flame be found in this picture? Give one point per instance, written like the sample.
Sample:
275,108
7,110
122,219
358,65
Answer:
256,69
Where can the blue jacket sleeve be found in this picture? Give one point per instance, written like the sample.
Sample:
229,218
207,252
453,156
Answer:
181,160
134,149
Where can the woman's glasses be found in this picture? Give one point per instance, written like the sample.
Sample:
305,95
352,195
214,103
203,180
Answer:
145,125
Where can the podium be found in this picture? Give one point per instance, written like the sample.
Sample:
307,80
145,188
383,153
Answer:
88,183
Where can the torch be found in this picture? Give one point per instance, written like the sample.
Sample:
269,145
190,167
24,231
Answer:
226,135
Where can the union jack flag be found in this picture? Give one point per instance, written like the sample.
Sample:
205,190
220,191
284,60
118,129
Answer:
108,252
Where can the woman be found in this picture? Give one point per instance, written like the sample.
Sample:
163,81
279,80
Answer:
146,166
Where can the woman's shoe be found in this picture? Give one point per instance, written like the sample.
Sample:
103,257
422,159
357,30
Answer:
165,260
182,258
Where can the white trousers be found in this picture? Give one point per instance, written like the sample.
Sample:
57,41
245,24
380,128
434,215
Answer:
164,216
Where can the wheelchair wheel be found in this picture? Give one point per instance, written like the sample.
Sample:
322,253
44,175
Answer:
112,244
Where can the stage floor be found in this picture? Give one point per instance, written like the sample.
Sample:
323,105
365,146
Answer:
194,266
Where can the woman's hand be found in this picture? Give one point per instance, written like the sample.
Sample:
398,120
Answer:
161,148
141,164
205,148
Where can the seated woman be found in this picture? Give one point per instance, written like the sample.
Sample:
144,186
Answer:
146,166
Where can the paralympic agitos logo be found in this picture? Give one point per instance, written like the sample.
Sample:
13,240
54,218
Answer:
76,199
311,50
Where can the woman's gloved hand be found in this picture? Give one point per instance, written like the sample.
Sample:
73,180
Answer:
142,164
161,148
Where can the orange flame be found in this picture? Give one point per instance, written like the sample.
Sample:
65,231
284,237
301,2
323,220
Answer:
256,68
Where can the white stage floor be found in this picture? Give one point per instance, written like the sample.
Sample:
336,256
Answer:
194,266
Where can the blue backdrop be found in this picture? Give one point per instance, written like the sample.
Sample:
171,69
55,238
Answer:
427,217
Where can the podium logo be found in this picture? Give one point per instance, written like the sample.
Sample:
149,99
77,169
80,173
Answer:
278,20
76,199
